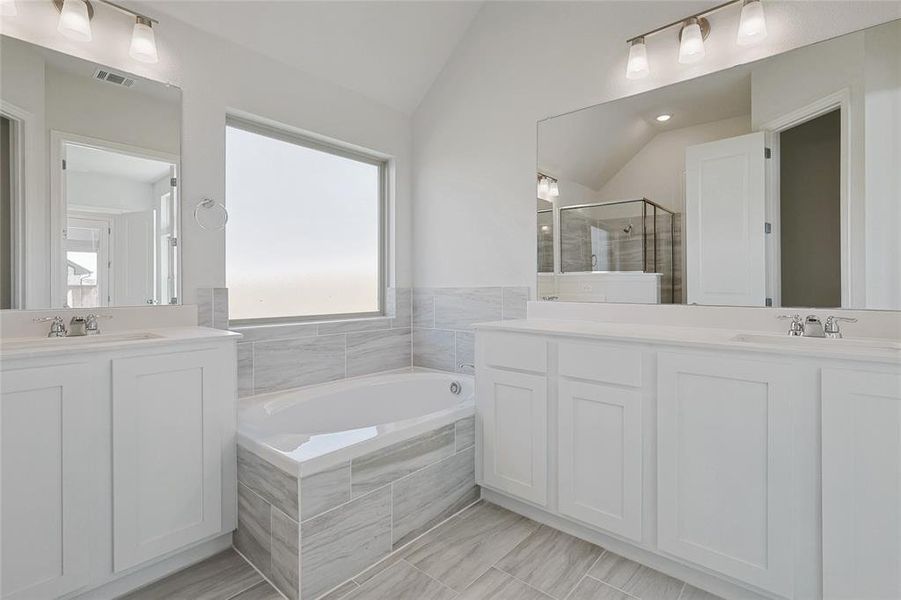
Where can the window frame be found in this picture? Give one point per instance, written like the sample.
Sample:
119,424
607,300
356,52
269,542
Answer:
285,134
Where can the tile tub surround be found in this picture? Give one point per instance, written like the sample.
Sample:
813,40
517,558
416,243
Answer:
310,536
285,356
443,319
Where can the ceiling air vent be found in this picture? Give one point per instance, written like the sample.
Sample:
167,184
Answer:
114,78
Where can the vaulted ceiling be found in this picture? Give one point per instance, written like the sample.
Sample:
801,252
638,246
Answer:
389,51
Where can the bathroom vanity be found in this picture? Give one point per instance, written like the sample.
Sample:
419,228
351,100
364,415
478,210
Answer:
118,451
732,460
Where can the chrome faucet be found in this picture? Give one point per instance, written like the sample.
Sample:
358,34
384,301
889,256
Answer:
464,365
832,329
92,326
813,327
57,326
796,328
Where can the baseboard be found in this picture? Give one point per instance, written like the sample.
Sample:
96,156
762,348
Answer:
697,578
117,585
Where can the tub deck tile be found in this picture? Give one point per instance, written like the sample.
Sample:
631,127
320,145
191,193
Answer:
285,560
379,468
277,487
252,538
324,490
433,494
340,543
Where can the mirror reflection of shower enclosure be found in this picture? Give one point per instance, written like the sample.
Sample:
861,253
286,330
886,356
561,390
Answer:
625,236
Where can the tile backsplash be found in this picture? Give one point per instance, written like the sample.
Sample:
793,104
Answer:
425,327
283,356
443,318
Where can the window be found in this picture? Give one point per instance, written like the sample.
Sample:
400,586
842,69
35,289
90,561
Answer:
305,232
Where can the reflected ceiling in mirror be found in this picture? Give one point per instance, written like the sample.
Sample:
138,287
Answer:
780,178
95,153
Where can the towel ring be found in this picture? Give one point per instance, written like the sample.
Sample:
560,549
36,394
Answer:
209,203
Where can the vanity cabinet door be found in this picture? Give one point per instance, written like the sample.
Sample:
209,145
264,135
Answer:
166,452
513,413
599,433
861,484
45,445
724,464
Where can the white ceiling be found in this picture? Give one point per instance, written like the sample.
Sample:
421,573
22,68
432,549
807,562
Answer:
590,146
389,51
83,159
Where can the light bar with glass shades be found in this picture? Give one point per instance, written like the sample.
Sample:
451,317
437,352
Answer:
75,23
547,186
693,30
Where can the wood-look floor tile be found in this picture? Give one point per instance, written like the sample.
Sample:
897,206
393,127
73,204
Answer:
636,579
459,551
261,591
401,581
219,577
692,593
551,561
341,591
592,589
497,585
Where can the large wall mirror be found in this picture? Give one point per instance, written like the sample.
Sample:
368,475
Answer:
90,167
775,183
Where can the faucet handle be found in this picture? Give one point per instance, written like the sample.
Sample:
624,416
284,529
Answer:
797,326
91,325
57,325
832,328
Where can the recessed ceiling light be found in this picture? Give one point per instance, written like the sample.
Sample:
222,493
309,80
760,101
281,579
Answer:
664,118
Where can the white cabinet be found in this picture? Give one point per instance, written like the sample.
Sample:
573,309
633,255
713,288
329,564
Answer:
724,465
861,484
166,452
46,488
599,433
513,413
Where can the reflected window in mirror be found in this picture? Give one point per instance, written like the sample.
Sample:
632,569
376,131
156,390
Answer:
775,181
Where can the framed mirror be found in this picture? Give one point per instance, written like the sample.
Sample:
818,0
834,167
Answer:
774,183
90,171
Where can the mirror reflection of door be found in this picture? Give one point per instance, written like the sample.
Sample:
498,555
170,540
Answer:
130,260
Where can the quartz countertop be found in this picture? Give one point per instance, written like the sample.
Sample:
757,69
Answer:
16,348
882,350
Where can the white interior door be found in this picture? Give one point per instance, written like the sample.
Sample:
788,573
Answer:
725,208
132,259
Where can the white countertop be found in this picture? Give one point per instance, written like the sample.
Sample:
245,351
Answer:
15,348
886,351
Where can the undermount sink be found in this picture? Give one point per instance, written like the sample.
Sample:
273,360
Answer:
818,343
46,342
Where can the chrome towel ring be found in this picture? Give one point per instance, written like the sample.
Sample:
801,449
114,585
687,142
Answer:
210,204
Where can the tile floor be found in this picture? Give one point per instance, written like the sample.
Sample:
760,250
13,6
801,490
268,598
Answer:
483,553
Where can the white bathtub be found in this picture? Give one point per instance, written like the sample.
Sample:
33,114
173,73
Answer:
307,430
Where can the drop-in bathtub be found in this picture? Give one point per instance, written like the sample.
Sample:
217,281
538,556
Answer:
334,477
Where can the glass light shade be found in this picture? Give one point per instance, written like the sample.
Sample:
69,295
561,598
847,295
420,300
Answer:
752,25
74,21
143,43
8,8
553,189
637,67
691,49
544,187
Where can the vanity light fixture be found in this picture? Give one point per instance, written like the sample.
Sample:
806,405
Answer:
75,23
752,24
8,8
75,19
547,187
693,30
554,191
664,118
691,41
637,67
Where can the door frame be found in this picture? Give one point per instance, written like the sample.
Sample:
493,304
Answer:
22,143
58,141
840,100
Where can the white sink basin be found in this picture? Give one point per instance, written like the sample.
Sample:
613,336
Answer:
56,342
817,343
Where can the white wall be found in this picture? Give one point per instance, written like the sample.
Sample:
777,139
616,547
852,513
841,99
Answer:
656,172
474,133
102,191
216,77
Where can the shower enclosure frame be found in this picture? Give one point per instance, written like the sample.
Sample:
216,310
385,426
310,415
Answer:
645,238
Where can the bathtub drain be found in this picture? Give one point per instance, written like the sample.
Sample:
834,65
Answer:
456,388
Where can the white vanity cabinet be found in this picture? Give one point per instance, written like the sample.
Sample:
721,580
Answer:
113,460
513,414
47,458
724,464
